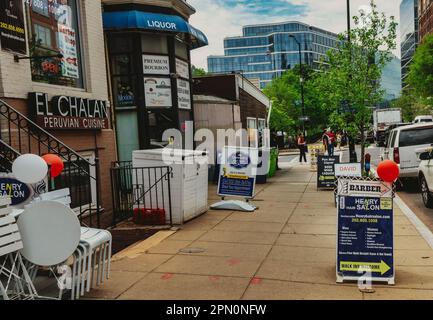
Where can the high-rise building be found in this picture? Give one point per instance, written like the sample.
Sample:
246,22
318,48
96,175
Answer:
425,12
409,27
391,79
266,51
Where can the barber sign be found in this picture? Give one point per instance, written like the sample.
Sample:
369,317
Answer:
351,188
19,192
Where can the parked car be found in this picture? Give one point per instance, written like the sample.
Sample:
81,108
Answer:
421,119
425,176
402,144
392,127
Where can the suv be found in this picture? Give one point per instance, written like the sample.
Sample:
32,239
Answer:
426,177
421,119
402,146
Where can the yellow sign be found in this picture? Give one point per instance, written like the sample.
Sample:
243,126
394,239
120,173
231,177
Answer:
381,267
385,203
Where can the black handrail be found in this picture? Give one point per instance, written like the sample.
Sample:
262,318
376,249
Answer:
22,135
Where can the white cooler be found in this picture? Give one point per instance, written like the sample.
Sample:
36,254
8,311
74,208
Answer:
189,184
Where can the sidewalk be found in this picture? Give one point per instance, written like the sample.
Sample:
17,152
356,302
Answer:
286,250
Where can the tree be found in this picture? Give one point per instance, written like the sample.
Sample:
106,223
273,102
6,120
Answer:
285,92
420,78
349,83
411,106
198,72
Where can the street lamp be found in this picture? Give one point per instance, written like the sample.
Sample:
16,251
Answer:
302,81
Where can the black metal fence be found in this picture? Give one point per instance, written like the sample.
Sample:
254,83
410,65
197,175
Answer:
141,191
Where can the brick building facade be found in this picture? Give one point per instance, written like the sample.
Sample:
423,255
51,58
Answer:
425,18
63,61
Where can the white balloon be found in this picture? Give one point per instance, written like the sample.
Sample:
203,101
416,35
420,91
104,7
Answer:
30,168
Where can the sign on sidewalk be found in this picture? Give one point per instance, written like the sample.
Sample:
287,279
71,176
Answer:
238,172
348,170
326,171
365,243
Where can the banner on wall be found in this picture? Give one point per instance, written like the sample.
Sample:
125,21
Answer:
12,32
157,92
154,64
184,94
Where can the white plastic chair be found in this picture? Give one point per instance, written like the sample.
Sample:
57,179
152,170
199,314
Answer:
94,243
18,283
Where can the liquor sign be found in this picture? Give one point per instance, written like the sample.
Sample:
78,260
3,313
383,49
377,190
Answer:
365,248
153,64
12,31
184,94
69,113
238,172
157,92
326,171
182,69
352,170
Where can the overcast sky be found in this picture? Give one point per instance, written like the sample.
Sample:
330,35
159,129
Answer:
222,18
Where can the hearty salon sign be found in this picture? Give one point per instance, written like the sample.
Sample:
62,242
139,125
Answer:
68,113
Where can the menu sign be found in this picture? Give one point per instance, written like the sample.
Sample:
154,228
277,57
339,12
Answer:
326,171
12,32
157,92
153,64
184,94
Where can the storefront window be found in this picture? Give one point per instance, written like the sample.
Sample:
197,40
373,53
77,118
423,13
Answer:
181,50
55,30
151,43
124,92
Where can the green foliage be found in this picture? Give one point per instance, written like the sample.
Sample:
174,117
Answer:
420,77
412,106
285,92
198,72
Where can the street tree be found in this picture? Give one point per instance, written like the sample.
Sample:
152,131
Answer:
349,83
198,72
420,78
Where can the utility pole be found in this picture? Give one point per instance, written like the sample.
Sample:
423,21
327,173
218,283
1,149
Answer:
301,71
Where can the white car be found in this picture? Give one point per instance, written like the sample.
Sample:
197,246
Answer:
426,177
403,144
421,119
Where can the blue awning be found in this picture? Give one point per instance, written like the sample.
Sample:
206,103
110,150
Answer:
134,19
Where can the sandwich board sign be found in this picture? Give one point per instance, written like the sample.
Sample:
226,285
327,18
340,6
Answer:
365,242
326,171
348,170
238,172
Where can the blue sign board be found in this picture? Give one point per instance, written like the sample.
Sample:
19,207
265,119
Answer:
237,172
365,238
18,192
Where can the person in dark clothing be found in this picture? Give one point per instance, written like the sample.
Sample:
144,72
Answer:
302,144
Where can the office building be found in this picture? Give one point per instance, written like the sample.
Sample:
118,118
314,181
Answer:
409,31
266,51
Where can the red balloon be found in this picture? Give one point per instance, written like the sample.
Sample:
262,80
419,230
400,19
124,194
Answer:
56,164
388,171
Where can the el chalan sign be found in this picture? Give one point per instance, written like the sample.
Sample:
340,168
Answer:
365,245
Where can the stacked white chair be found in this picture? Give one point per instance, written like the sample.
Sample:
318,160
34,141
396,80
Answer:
92,259
15,281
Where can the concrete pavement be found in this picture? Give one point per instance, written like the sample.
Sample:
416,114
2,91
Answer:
285,250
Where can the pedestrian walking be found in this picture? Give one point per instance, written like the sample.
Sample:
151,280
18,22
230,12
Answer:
302,145
339,140
325,140
331,143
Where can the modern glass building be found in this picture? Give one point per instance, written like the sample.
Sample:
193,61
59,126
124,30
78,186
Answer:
265,51
391,79
409,27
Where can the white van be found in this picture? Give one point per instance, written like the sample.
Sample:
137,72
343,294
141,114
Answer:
403,144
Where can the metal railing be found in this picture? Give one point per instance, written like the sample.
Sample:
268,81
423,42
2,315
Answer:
139,189
20,135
